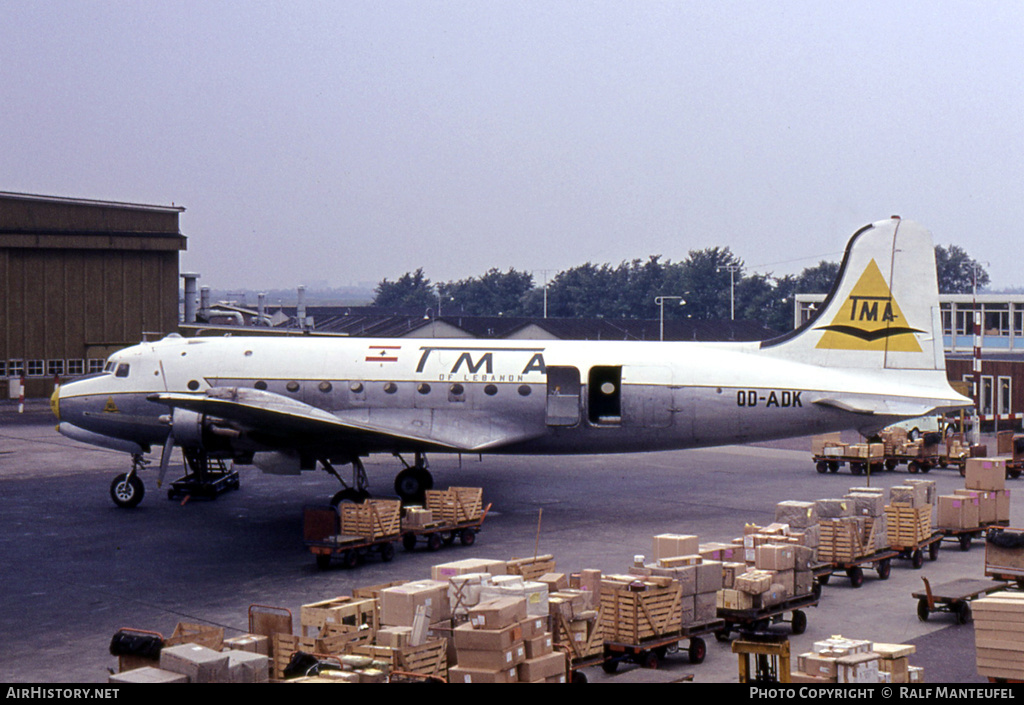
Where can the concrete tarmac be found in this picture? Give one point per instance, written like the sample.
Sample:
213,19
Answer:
75,568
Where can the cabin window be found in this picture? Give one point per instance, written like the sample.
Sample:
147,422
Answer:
390,388
456,392
490,390
192,384
325,387
524,390
260,385
423,388
292,386
123,369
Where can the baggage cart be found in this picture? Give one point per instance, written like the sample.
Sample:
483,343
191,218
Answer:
879,561
915,552
352,532
649,653
758,620
1004,555
953,597
440,533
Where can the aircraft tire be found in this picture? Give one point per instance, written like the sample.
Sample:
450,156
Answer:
349,495
412,484
127,491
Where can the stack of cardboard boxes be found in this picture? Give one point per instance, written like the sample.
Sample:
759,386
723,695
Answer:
999,635
842,660
698,570
983,501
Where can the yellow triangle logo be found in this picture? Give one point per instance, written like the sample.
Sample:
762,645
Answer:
110,407
870,319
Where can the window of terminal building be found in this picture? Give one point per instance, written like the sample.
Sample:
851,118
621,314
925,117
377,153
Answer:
3,368
35,368
76,367
997,319
54,368
15,368
96,365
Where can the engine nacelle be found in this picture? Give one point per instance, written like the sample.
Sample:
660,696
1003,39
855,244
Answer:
194,430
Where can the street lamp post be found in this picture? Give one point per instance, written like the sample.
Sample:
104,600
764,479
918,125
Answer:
732,269
660,300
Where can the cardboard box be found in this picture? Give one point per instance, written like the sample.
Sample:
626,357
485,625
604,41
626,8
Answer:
492,660
200,663
958,512
460,674
669,545
498,613
771,557
985,474
539,646
247,667
444,571
148,674
799,515
542,667
467,637
255,643
398,604
857,668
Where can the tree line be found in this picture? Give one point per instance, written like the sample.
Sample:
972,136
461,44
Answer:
710,284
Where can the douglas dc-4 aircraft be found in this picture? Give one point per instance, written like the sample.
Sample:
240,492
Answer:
872,355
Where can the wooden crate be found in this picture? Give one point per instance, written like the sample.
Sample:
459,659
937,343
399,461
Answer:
202,634
429,659
908,526
372,520
456,505
285,645
841,540
633,609
531,568
339,611
579,638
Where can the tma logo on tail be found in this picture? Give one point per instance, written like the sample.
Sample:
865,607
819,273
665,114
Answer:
870,319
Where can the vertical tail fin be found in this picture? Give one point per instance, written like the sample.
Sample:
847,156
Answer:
883,310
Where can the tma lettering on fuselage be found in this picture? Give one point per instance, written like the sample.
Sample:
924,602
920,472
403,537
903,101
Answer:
871,356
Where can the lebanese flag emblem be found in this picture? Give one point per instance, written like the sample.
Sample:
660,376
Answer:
383,353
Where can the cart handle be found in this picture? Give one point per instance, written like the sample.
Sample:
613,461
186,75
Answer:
928,594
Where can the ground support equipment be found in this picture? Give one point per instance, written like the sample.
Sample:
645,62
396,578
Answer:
649,653
352,531
879,561
965,537
758,620
207,479
953,597
440,533
915,551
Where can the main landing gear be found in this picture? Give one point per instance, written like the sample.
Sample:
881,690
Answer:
412,483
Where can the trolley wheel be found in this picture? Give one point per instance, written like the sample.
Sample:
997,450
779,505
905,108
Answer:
922,609
933,551
913,467
387,552
434,541
467,537
856,576
833,466
917,558
448,537
409,541
963,612
127,490
823,579
857,468
799,622
884,568
610,665
698,650
350,558
650,660
965,542
578,677
822,467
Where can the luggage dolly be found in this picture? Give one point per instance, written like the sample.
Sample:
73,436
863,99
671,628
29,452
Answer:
953,597
880,561
915,553
649,653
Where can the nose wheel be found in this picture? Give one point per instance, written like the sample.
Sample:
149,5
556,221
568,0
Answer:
127,490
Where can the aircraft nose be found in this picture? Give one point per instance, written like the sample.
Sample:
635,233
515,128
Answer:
55,403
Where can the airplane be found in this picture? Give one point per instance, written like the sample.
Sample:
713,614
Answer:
870,356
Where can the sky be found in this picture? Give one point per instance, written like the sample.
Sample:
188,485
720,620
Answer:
347,141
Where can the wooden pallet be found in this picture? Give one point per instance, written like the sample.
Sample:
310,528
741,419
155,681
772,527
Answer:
531,568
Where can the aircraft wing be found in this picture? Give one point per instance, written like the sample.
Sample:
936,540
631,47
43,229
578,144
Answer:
280,421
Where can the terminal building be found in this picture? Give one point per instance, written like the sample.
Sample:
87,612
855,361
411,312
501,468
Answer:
80,279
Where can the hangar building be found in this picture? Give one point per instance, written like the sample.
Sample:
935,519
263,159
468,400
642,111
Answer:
80,279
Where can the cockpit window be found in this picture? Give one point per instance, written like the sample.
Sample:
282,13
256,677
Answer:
122,370
109,367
